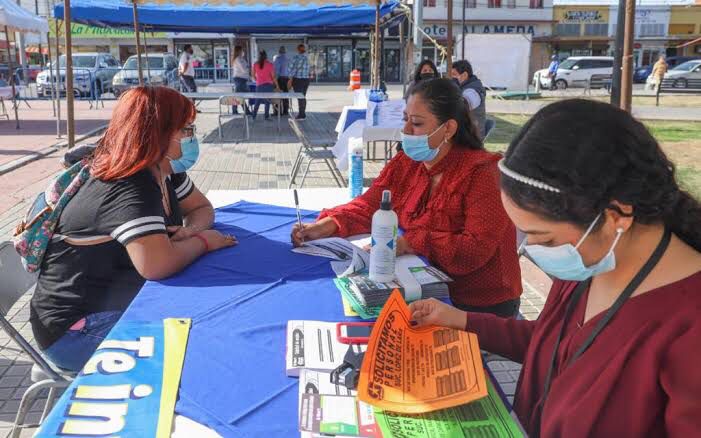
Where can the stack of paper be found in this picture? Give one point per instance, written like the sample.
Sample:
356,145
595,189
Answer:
432,282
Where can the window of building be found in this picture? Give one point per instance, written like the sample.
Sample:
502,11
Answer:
651,29
596,29
494,4
471,4
536,4
681,29
511,4
568,29
429,3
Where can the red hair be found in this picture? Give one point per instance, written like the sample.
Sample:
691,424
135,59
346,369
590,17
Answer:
139,133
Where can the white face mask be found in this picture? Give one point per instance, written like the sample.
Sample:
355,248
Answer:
565,262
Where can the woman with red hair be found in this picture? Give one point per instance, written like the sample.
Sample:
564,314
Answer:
137,217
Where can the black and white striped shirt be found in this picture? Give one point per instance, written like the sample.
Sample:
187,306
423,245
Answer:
78,278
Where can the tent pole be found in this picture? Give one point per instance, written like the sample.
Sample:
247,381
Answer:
376,57
449,61
70,118
10,65
463,29
138,44
148,67
57,85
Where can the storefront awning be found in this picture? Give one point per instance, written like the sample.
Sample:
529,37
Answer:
241,17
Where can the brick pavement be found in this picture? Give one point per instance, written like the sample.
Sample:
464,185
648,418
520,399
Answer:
261,163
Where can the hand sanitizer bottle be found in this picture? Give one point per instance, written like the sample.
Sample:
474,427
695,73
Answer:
383,250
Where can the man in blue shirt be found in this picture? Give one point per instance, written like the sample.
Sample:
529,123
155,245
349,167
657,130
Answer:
552,70
299,78
282,76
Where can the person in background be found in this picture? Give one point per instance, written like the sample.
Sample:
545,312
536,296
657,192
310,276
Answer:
615,351
264,75
241,75
138,217
473,91
658,72
445,191
186,69
426,70
281,68
299,78
552,71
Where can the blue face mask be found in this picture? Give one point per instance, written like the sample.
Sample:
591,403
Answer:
417,148
565,262
191,151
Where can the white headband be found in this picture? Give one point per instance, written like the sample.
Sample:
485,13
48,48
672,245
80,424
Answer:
524,179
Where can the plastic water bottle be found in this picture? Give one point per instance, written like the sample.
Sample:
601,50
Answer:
376,97
355,166
383,250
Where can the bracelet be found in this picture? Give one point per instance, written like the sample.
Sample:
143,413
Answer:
206,244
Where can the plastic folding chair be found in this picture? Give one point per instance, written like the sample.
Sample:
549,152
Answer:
15,283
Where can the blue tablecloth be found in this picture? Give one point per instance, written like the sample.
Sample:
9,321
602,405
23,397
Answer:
240,300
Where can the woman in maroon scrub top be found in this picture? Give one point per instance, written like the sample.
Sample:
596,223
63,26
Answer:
617,348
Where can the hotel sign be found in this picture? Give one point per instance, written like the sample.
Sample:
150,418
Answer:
441,30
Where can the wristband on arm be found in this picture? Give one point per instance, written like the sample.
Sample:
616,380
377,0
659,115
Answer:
203,240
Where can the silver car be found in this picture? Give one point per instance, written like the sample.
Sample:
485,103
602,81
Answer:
92,72
160,69
682,73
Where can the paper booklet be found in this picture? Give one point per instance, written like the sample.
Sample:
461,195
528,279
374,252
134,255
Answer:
313,345
346,256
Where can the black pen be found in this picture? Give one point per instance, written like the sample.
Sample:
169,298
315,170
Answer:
299,214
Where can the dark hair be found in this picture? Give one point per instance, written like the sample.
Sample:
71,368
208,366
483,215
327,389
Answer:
262,56
238,51
446,102
463,66
187,47
417,72
596,153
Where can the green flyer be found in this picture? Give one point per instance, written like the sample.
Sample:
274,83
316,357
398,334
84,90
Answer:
486,417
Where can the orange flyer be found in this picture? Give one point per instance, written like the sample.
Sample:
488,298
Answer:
414,370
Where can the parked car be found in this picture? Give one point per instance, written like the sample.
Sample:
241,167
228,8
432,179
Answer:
91,71
576,71
160,69
683,72
642,73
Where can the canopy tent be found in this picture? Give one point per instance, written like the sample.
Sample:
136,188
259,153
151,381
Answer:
15,19
242,17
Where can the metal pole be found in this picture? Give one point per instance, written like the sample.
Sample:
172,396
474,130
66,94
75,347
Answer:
627,72
51,73
463,29
418,24
449,62
402,53
376,67
41,51
138,44
70,116
57,85
10,66
618,55
148,67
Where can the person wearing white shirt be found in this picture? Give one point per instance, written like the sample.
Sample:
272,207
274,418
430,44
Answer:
187,70
473,91
241,74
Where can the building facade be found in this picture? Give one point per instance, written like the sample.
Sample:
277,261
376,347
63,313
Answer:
528,17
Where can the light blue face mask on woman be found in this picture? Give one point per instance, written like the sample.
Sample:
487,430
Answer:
565,262
417,148
191,152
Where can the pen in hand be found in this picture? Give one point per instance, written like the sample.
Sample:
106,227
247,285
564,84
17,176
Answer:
299,214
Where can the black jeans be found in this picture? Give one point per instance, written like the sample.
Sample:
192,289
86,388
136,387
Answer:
282,84
301,86
506,309
188,83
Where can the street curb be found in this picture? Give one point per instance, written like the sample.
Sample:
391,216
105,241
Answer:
19,162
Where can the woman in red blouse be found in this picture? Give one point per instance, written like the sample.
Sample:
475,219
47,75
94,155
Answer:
616,350
446,196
